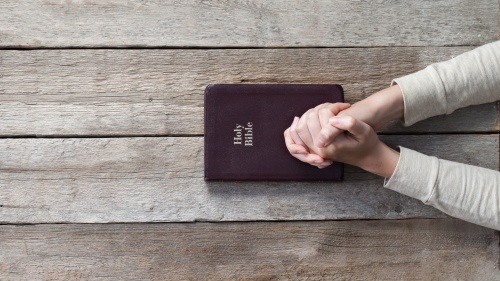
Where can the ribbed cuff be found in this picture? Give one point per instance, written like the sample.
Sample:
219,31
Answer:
423,93
415,175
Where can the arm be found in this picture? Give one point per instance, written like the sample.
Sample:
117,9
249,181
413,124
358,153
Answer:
459,190
376,110
314,127
463,191
471,78
441,88
358,146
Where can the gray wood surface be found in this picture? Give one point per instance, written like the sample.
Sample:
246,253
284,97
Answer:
99,180
160,92
119,84
429,249
255,23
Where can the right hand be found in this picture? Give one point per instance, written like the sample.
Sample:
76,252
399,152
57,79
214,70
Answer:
303,146
376,110
359,146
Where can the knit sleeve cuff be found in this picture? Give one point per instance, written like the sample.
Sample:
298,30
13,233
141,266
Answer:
415,175
423,93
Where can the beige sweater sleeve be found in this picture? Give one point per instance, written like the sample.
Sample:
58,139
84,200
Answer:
460,190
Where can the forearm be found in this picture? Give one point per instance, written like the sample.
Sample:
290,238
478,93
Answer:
379,108
468,79
463,191
471,78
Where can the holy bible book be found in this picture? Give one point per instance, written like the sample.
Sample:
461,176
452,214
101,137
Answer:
244,125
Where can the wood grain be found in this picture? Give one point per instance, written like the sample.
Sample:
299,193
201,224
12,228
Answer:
160,92
254,23
99,180
429,249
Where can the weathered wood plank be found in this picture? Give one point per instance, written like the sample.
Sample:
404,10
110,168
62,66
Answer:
442,249
159,92
161,180
255,23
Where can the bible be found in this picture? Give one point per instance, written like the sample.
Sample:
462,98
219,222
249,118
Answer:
244,125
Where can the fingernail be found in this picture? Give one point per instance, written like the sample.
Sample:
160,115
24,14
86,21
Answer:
317,161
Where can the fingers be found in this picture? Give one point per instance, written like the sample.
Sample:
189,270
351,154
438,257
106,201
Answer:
299,152
338,107
355,127
302,131
328,133
293,148
313,159
309,127
327,110
311,122
324,115
293,133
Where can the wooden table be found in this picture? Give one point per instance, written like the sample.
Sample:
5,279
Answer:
101,148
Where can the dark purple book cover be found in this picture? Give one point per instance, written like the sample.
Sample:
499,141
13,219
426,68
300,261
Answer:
244,125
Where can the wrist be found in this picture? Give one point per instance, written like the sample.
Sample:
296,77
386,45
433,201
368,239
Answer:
381,161
380,108
388,104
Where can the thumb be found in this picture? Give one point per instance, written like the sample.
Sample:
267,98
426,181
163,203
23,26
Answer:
327,135
350,124
338,107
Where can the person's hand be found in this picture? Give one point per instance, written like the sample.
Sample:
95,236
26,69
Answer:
376,110
360,146
311,123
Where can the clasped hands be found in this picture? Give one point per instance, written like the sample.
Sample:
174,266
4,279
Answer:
344,133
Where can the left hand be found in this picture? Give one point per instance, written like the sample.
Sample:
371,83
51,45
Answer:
302,136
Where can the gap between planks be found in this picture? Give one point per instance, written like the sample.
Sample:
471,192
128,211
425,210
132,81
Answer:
82,92
201,135
385,250
253,23
20,48
143,179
